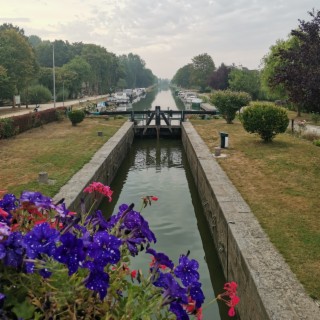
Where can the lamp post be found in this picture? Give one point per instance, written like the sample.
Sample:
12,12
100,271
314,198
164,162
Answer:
63,92
54,78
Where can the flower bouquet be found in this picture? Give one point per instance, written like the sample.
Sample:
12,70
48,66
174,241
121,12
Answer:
58,264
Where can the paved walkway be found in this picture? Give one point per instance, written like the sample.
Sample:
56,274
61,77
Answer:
6,112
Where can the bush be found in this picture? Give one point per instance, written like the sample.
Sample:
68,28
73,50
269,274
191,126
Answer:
229,102
76,116
316,143
7,128
265,119
315,117
36,94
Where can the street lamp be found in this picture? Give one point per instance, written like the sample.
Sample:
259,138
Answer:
54,78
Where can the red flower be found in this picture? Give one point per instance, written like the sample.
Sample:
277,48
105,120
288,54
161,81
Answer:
231,299
153,198
98,187
133,274
3,214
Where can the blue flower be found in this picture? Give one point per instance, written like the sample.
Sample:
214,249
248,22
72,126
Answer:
172,290
178,310
41,239
104,248
196,293
8,202
160,259
71,252
187,270
11,250
36,198
97,280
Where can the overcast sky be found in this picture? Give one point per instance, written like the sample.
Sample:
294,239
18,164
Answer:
166,34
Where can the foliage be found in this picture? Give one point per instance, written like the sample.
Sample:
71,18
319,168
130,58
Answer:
299,70
219,79
7,128
316,143
182,77
270,62
6,85
76,116
36,94
265,119
315,117
229,102
202,68
65,265
17,57
243,79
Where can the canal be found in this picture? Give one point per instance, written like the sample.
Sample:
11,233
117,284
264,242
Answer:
160,168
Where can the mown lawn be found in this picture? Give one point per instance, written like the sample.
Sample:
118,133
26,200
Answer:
58,148
280,182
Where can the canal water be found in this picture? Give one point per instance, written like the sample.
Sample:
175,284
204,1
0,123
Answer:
160,168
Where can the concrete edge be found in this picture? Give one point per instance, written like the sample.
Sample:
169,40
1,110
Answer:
267,287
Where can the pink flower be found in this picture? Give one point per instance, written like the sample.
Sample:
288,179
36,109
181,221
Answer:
231,299
98,187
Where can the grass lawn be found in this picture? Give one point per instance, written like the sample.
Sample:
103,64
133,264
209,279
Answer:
280,182
57,148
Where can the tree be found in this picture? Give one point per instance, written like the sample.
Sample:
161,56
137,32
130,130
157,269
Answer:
243,79
17,57
202,67
6,85
265,119
182,77
270,62
81,70
219,80
229,102
299,68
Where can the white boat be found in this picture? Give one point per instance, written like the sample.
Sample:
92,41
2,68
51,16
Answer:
121,97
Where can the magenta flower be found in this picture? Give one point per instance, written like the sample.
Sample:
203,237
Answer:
98,187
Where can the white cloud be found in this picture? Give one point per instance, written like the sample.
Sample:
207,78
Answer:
165,33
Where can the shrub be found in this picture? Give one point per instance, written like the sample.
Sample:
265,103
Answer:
76,116
36,94
315,117
7,128
229,102
266,120
316,143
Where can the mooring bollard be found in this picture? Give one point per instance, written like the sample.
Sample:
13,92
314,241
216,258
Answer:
217,151
99,133
43,177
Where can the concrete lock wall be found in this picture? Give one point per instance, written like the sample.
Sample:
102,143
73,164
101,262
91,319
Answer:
267,287
102,167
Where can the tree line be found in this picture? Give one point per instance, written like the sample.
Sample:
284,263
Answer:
27,64
289,73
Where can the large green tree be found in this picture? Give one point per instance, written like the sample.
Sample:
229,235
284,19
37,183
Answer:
243,79
182,77
17,58
202,68
299,70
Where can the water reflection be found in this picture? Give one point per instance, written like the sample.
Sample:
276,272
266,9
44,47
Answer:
160,168
159,97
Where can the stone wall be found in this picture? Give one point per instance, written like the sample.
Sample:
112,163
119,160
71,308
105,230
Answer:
102,167
267,287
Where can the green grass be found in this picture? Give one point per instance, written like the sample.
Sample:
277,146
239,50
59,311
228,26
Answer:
280,182
57,148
